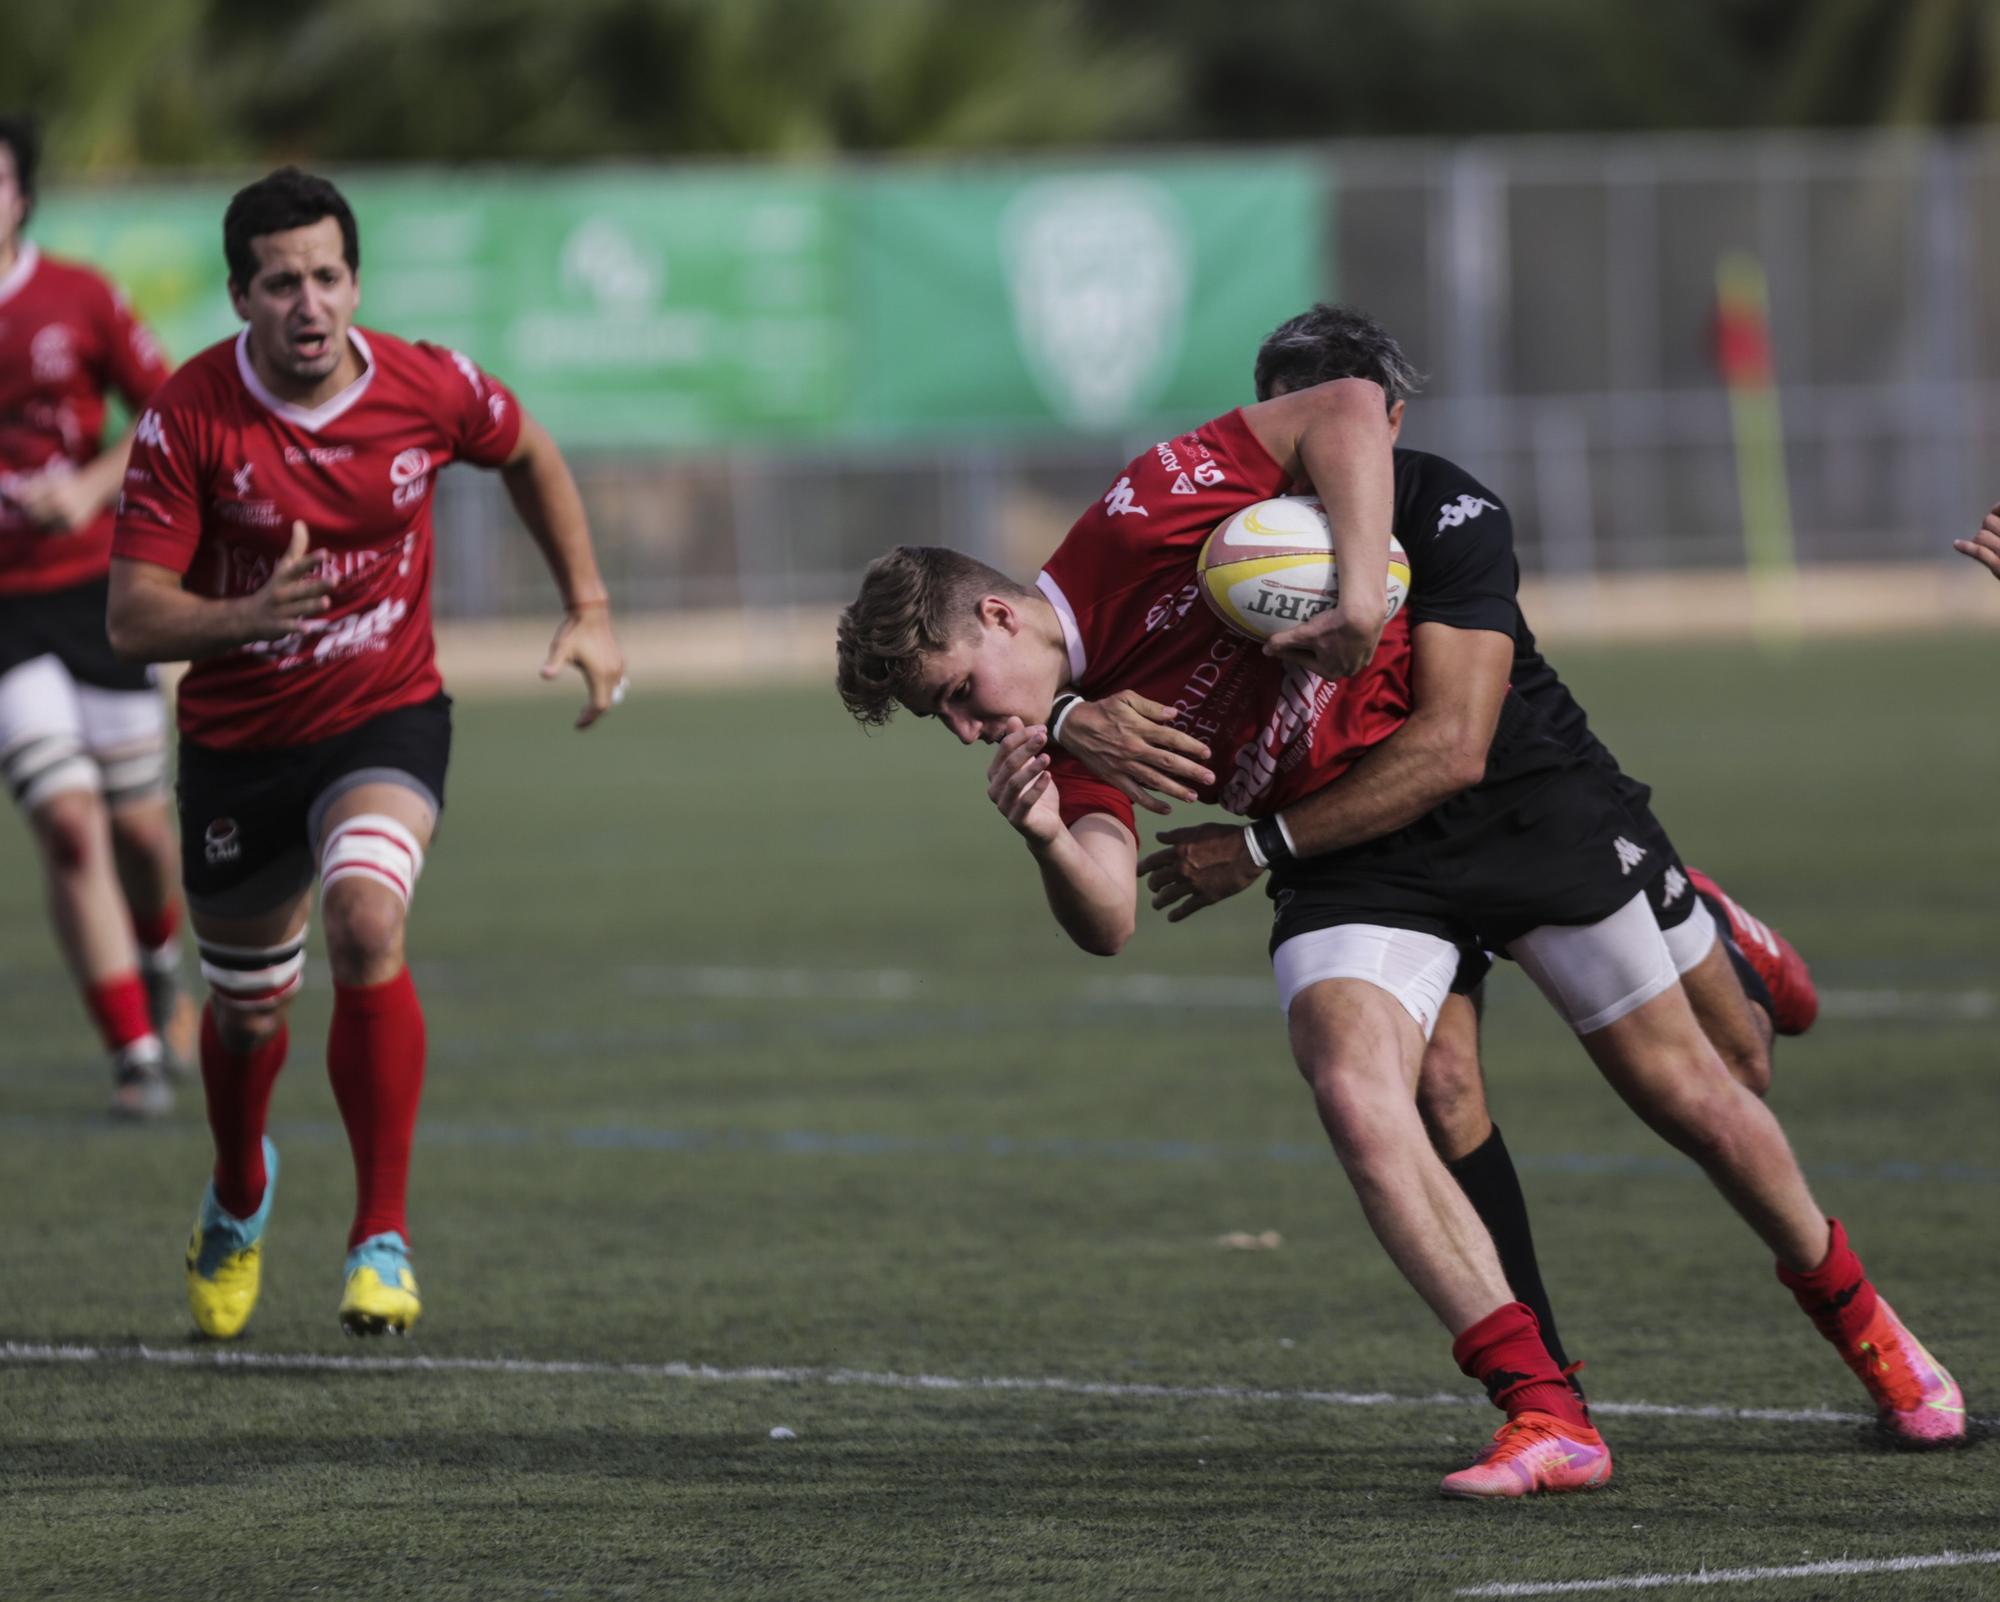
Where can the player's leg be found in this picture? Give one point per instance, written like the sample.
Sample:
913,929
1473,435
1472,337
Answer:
53,779
126,730
1614,982
1773,973
1358,1001
372,839
1741,1037
1451,1099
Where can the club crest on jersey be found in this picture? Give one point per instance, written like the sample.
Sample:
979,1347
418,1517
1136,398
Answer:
410,476
53,354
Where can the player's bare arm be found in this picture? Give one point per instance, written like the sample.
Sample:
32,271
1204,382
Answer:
1338,438
1458,683
1136,745
544,492
63,502
1984,547
151,618
1087,870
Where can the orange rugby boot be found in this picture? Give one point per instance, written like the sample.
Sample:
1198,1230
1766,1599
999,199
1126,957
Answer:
1532,1454
1917,1402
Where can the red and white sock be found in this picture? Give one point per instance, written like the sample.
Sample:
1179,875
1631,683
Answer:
1837,1295
1504,1352
118,1006
238,1087
375,1058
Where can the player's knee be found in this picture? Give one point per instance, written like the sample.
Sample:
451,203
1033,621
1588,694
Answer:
243,1030
70,825
1701,1115
369,866
364,931
1451,1097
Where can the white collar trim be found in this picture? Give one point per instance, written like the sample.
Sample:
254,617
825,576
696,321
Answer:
310,418
26,260
1066,616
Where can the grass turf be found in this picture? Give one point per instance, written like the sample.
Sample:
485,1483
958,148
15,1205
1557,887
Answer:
752,1045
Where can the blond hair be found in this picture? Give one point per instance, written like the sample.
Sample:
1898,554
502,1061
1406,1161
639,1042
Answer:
914,602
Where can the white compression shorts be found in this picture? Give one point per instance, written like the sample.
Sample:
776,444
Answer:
57,735
1690,940
1596,973
1416,968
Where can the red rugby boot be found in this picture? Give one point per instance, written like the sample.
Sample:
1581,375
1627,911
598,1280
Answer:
1794,1001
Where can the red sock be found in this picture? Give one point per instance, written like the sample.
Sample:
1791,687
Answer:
375,1058
1504,1352
1837,1295
158,930
119,1006
239,1098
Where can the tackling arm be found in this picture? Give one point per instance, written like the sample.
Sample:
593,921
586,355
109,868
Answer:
1459,681
544,492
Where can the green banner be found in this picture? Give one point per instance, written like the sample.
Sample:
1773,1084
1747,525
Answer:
1095,298
711,307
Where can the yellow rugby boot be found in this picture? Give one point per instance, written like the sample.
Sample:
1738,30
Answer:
381,1293
225,1259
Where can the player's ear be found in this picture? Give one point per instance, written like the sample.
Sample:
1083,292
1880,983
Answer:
240,301
1395,421
996,613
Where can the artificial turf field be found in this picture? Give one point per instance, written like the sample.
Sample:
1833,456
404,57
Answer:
752,1047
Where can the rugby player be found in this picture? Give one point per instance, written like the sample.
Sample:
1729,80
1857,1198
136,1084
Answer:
1377,886
1984,547
1743,978
275,529
83,736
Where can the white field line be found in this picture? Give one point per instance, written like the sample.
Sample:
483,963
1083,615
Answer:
1231,992
235,1358
1790,1571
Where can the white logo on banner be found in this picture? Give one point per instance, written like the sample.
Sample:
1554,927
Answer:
602,260
1099,270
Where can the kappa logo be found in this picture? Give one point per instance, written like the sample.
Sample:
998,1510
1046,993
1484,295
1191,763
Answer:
149,431
1463,510
410,475
1629,855
1122,500
1675,883
222,841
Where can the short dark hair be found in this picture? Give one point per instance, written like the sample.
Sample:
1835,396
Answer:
20,134
286,199
1332,342
914,602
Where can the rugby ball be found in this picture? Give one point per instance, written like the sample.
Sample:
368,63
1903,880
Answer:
1269,567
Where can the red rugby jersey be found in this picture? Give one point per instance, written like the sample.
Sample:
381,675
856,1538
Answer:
220,469
1123,583
67,339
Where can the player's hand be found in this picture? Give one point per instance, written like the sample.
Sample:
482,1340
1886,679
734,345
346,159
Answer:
1202,864
1335,644
1983,548
294,594
58,502
1018,783
1132,743
584,641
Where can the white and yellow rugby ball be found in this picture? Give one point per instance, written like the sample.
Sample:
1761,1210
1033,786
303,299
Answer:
1270,567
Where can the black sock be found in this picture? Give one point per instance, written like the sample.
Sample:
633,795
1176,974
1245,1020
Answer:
1486,1175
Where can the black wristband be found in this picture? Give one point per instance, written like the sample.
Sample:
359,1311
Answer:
1066,703
1270,837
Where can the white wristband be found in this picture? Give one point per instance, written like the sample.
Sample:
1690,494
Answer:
1069,705
1250,840
1291,845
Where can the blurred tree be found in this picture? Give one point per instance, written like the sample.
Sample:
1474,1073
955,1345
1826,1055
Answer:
173,82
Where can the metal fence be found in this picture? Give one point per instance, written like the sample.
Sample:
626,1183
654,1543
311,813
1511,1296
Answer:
1561,295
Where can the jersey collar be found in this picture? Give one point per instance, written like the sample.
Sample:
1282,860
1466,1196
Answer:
310,418
1066,616
26,260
